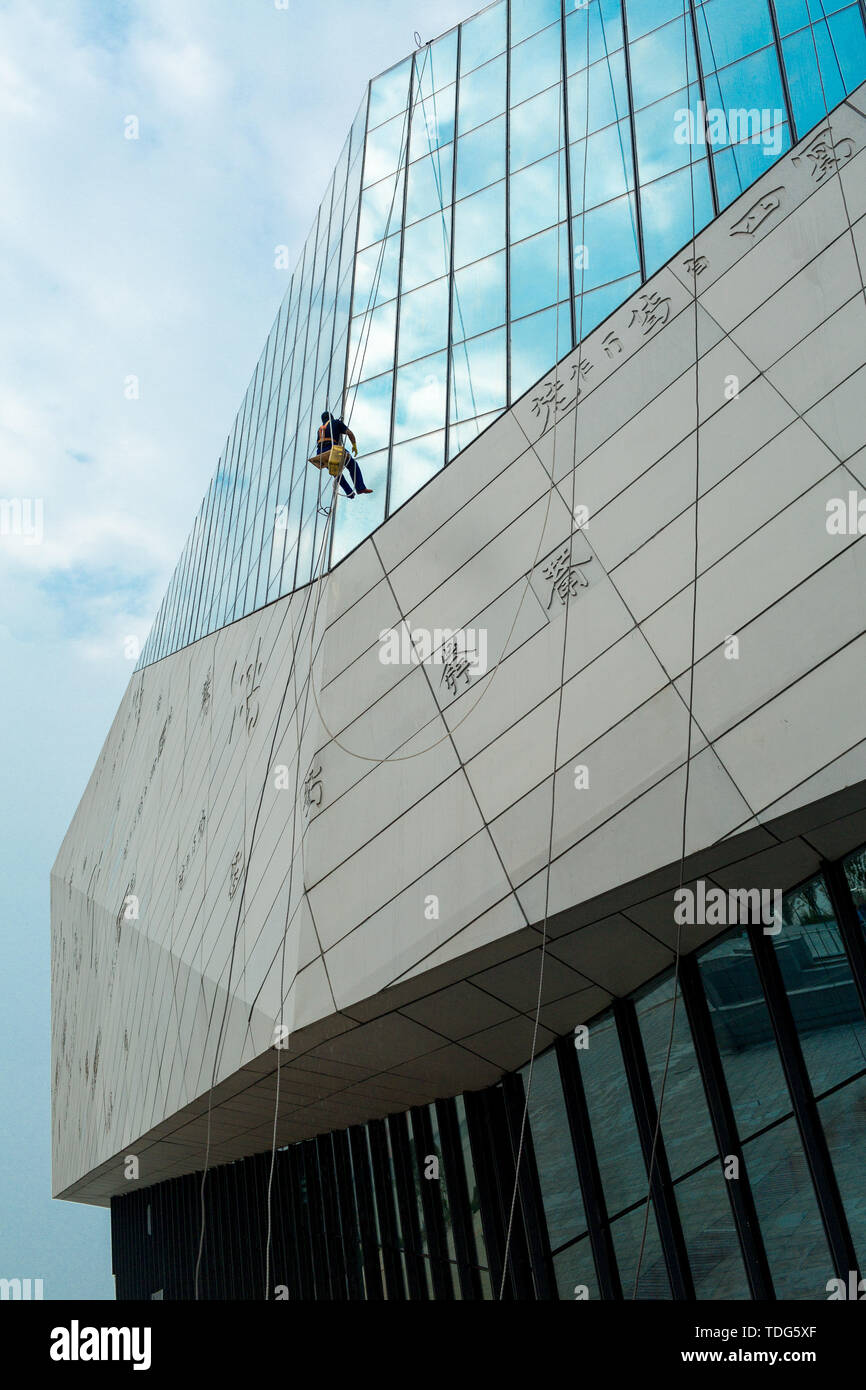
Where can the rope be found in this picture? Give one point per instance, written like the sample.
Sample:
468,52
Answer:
220,1033
318,571
537,1017
678,945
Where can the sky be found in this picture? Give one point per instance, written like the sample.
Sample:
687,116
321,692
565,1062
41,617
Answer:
150,258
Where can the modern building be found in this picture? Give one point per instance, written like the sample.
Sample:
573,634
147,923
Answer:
469,898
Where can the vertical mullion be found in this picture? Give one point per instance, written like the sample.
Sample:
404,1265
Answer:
849,924
452,278
330,1217
507,205
638,216
529,1187
786,90
326,243
416,1274
411,93
431,1203
702,88
302,481
366,1214
248,456
491,1147
658,1170
805,1109
725,1130
458,1201
300,1225
205,563
219,538
275,392
321,1266
386,1210
588,1170
346,382
566,147
347,1214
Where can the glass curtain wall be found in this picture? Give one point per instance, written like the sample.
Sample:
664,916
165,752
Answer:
500,193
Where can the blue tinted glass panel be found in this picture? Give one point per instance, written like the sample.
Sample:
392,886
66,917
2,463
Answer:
424,321
479,297
385,150
426,250
483,37
480,227
663,131
538,197
536,343
536,128
478,376
420,405
793,14
369,407
536,64
539,271
754,82
369,273
658,63
481,157
729,31
603,168
609,237
371,341
429,185
482,95
644,15
441,66
668,220
847,45
432,123
389,94
527,16
608,96
740,165
380,210
605,32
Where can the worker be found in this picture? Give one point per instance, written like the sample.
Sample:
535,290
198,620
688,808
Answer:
332,431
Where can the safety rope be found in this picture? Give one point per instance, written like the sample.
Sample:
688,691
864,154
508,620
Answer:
694,617
518,1157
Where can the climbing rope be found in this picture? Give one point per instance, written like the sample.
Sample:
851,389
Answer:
678,941
518,1158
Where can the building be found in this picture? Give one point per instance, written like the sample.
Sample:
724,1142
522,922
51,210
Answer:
408,799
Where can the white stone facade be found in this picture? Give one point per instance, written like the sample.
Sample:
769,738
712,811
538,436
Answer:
380,893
